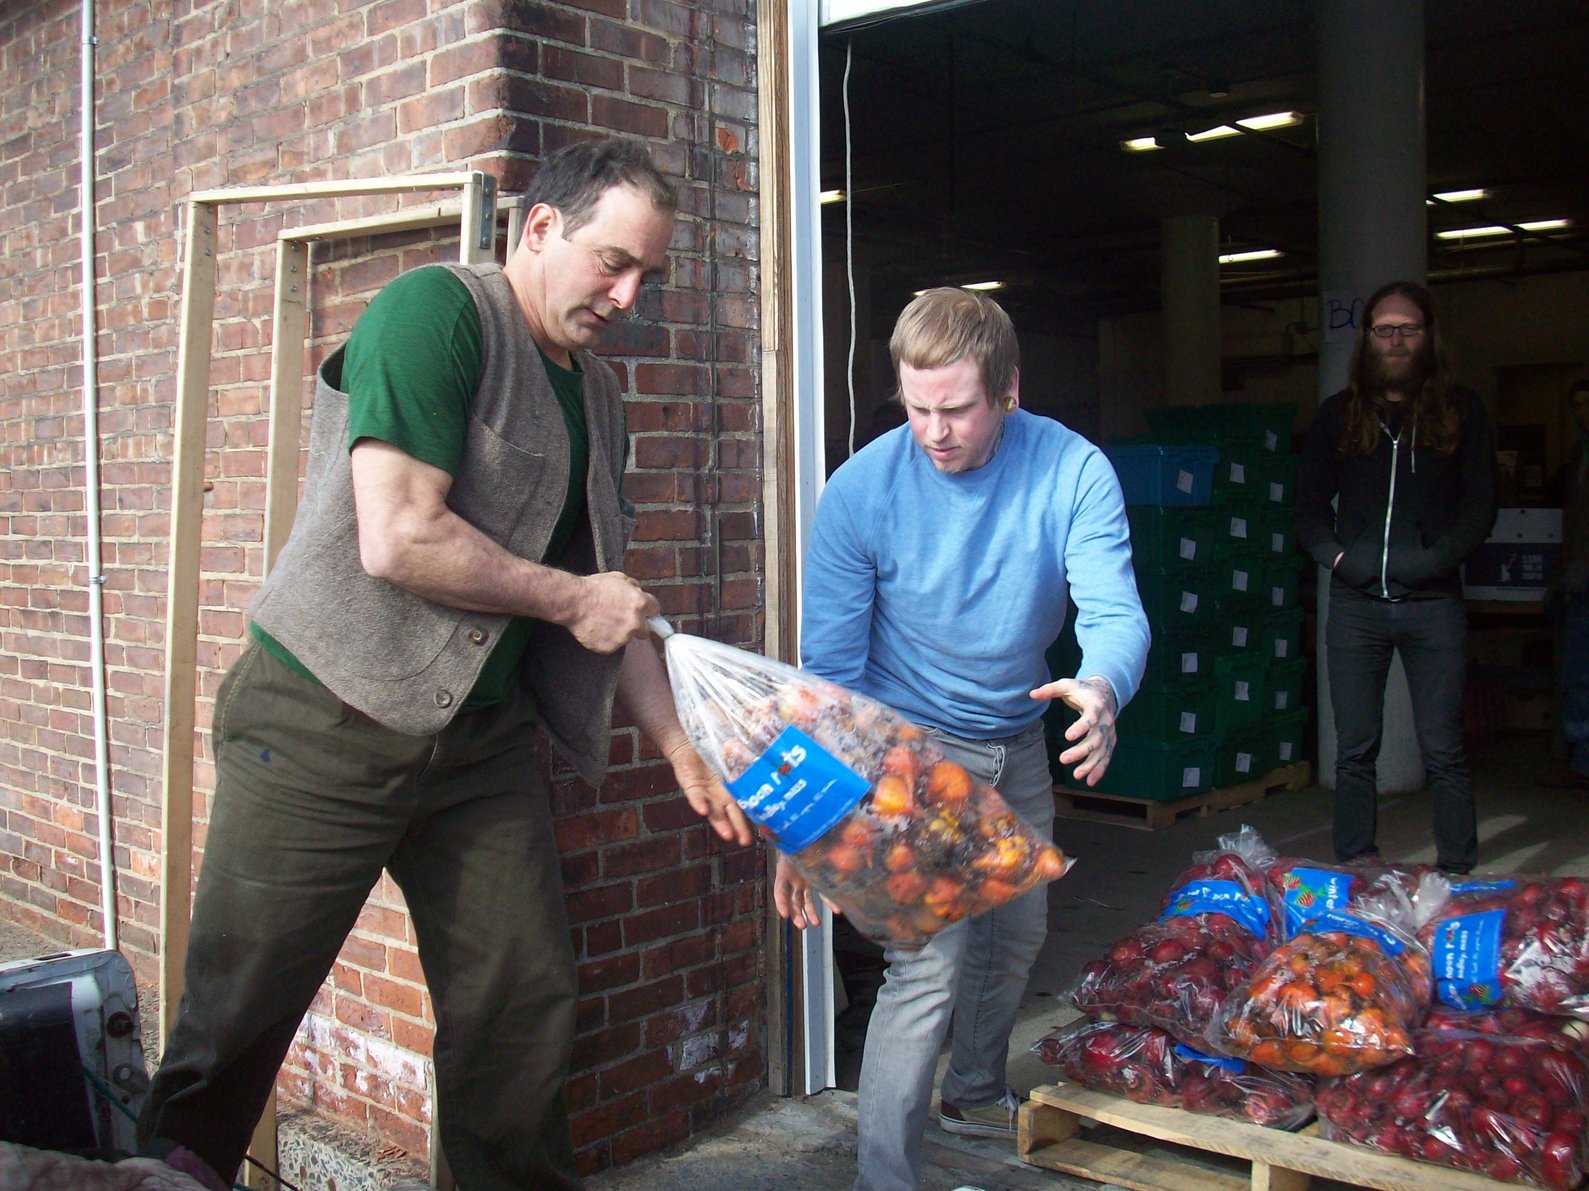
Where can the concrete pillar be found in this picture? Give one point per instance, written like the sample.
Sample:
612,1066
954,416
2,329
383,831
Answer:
1190,286
1372,229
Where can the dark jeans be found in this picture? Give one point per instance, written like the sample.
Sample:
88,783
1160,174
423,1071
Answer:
1431,635
1574,667
312,801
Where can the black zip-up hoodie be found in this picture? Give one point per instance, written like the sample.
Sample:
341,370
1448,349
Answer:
1407,515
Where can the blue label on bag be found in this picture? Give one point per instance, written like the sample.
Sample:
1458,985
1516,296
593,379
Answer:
1234,1066
1328,920
797,790
1466,960
1481,886
1309,890
1220,897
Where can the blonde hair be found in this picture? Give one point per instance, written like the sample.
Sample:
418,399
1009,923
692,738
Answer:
945,325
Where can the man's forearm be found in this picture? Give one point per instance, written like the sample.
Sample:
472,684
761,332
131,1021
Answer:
644,692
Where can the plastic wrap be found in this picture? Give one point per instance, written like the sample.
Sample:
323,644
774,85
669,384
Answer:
1306,887
1519,942
1344,995
1510,1108
867,807
1218,920
1150,1067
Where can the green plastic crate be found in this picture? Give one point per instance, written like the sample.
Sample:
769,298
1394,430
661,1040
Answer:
1177,600
1268,424
1288,737
1282,629
1239,625
1281,577
1240,475
1170,710
1158,770
1243,580
1238,689
1182,656
1283,686
1242,755
1274,531
1278,480
1170,538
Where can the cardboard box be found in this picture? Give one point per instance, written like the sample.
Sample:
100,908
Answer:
1519,558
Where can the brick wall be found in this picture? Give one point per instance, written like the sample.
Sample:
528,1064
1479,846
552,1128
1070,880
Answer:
667,922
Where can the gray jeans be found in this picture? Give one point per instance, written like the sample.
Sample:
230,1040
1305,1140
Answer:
974,971
312,800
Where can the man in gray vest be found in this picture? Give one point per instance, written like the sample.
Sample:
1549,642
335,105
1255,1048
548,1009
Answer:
452,580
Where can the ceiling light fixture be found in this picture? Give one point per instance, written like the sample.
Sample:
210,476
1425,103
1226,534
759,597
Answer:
1252,123
1219,132
830,196
1496,229
984,286
1458,196
1255,254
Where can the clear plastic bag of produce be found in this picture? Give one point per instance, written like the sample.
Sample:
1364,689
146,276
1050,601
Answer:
1521,942
1306,887
1218,920
1344,995
869,810
1150,1067
1510,1108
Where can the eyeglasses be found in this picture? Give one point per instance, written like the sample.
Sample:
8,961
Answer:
1391,330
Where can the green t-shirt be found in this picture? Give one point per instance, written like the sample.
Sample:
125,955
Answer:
410,370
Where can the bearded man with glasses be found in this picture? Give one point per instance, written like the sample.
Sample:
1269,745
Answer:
1395,487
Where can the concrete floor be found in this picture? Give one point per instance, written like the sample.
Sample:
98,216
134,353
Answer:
808,1143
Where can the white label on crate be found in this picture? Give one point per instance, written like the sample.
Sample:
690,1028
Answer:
1243,691
1238,637
1277,596
1281,699
1277,492
1189,721
1285,750
1282,647
1188,602
1189,662
1183,480
1238,580
1189,549
1243,762
1277,543
1238,472
1271,441
1238,527
1190,777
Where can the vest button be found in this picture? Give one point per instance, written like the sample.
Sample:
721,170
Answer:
443,698
478,636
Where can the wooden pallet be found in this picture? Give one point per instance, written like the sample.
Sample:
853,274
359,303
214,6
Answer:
1150,814
1050,1127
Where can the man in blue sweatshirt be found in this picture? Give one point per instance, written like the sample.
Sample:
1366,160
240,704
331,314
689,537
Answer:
942,558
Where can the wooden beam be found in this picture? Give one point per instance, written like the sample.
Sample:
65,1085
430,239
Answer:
778,472
182,601
336,189
290,325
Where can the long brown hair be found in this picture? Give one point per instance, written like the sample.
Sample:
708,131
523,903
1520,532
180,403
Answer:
1434,412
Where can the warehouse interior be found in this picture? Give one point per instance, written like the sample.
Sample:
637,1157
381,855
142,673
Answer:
1040,148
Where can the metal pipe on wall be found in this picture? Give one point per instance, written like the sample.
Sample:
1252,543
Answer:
91,558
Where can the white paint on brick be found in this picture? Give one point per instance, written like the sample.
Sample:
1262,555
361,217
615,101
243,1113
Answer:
697,1050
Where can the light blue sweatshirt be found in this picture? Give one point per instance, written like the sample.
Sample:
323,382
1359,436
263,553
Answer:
938,594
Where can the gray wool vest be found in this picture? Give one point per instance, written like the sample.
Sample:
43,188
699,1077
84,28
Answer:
406,661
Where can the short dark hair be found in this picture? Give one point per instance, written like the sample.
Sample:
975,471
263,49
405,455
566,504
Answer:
574,178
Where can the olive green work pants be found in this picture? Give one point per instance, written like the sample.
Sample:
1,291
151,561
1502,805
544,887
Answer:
313,799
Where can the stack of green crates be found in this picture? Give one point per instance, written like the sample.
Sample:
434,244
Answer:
1259,717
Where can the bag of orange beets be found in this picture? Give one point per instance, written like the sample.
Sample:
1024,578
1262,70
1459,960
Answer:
901,839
